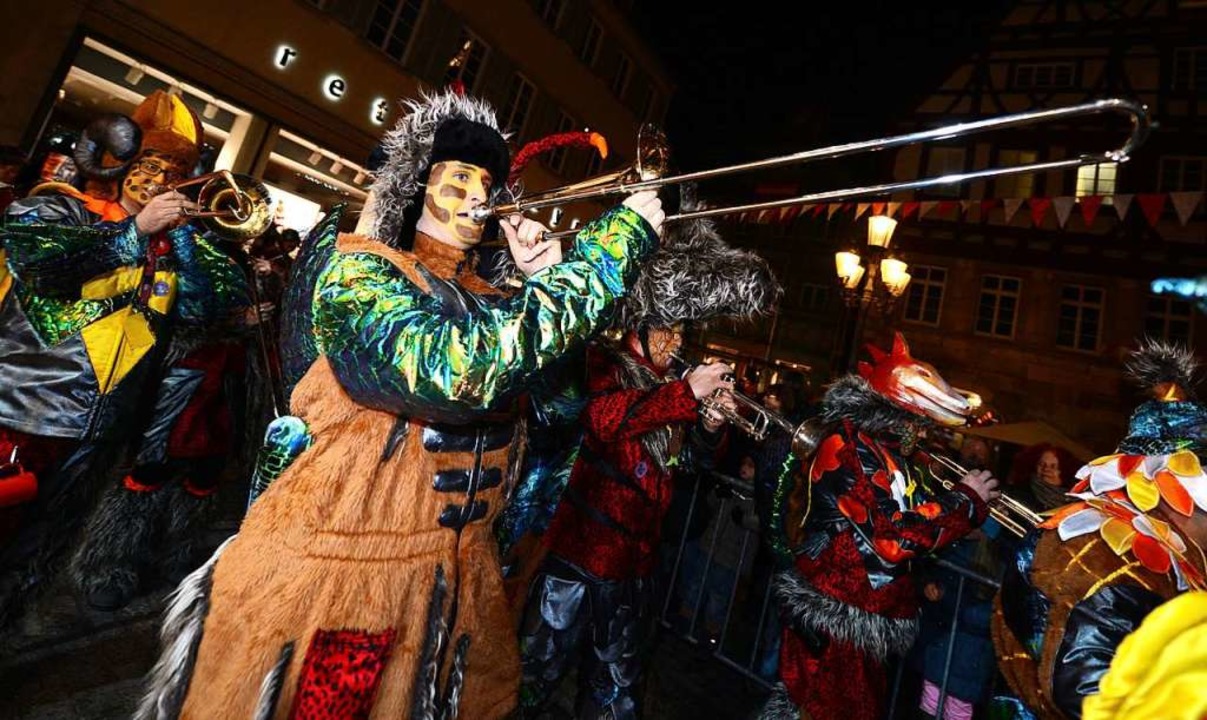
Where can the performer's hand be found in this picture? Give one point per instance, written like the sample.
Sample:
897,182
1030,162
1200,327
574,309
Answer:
648,205
162,212
712,419
933,592
707,379
529,251
983,484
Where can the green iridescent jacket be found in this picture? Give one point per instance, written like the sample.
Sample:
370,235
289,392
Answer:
418,345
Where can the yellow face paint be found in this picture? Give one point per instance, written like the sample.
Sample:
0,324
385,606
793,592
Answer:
453,189
149,175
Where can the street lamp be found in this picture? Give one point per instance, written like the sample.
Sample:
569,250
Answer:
858,276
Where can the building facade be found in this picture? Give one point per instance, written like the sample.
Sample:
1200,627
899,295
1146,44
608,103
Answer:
1033,310
297,93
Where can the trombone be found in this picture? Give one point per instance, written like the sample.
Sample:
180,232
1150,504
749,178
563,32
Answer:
652,159
233,206
1011,514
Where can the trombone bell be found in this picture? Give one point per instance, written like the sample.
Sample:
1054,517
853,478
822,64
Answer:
233,206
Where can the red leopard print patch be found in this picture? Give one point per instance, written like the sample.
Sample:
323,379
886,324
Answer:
341,674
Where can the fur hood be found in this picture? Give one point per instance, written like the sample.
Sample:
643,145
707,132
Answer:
851,398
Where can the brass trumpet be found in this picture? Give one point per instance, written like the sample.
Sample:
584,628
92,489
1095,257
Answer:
1011,514
232,206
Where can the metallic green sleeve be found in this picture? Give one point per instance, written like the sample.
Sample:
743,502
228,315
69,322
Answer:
394,348
57,259
211,284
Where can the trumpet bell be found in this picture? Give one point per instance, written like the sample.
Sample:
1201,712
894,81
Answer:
238,211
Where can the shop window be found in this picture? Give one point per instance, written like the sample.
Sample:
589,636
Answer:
1097,180
998,306
924,300
1016,186
466,65
392,25
519,102
1169,319
1080,320
1180,174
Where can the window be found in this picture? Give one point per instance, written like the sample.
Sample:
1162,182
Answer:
1182,173
1043,75
998,306
648,103
551,12
1080,320
1168,319
589,52
1016,186
557,158
466,65
519,102
624,73
594,165
924,299
1189,70
392,25
1096,180
945,161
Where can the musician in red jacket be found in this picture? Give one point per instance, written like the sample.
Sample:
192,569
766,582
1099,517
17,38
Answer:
589,599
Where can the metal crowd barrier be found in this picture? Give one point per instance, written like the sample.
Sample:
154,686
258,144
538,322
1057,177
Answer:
738,625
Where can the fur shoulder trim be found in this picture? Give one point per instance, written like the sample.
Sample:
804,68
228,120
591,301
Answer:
851,398
779,706
808,609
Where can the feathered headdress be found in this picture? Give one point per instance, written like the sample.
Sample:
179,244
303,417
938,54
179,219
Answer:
695,276
407,158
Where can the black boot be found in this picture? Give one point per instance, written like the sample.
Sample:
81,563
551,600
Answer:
117,544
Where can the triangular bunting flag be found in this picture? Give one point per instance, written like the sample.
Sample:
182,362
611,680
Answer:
892,208
785,213
860,209
926,207
1185,203
1063,206
1010,207
764,216
965,206
946,206
1089,208
834,207
877,208
1153,204
987,206
1039,208
910,208
817,209
1122,203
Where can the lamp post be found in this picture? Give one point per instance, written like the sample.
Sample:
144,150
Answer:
871,280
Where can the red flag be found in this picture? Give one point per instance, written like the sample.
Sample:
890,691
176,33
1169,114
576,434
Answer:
878,208
1039,208
946,206
1153,204
1089,208
817,209
908,209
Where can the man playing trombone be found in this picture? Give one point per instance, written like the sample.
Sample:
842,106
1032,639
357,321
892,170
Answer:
589,601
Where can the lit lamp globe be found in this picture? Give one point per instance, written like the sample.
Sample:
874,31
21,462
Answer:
895,275
849,267
880,230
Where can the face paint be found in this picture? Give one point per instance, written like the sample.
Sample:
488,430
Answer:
148,176
453,189
664,342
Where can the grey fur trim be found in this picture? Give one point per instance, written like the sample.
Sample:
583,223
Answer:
852,398
1157,362
695,276
118,539
779,706
803,606
409,146
270,688
633,374
180,636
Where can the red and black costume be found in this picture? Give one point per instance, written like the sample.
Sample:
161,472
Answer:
638,429
849,600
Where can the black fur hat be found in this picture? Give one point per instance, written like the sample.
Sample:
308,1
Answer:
474,143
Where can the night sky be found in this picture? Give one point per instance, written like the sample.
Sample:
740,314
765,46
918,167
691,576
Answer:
759,79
